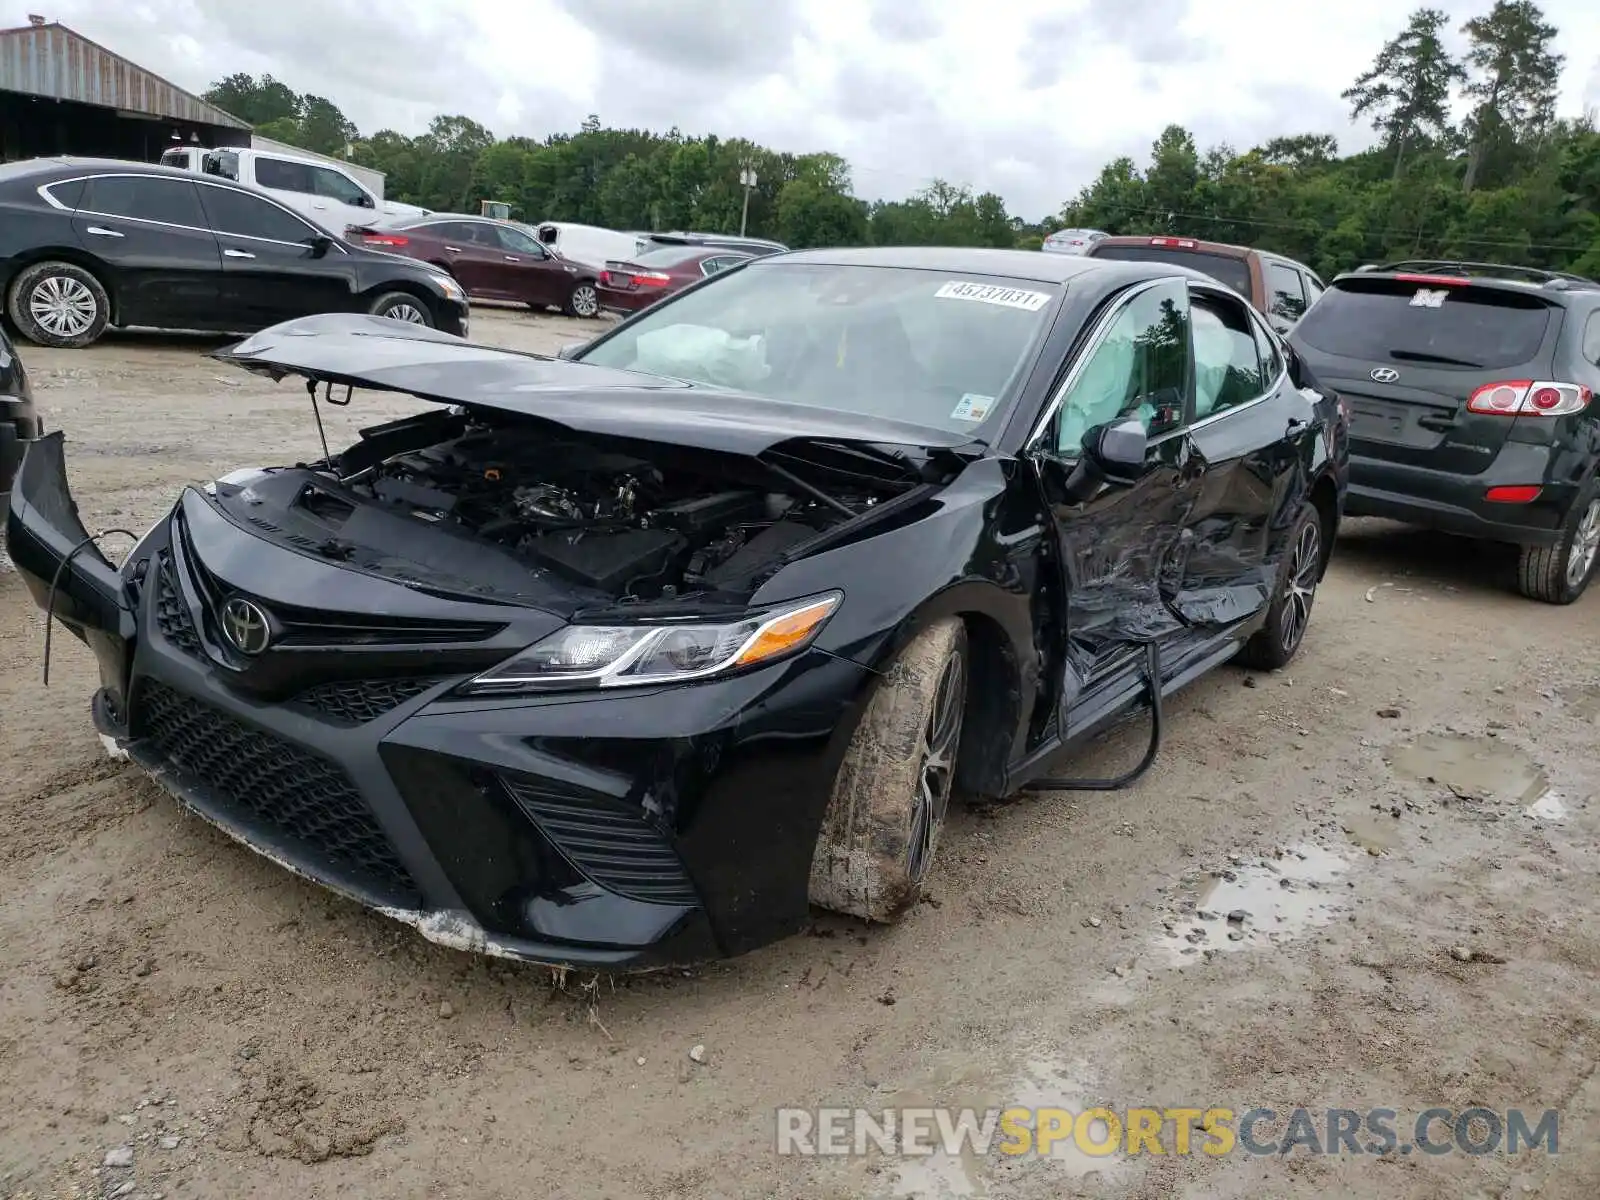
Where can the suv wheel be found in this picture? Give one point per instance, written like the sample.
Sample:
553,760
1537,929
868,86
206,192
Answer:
1276,642
59,304
1559,574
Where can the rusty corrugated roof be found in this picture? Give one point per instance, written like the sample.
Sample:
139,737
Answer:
51,60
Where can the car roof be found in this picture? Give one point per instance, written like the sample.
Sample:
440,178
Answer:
1551,284
1016,264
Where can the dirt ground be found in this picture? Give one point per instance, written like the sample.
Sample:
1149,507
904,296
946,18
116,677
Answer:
1423,776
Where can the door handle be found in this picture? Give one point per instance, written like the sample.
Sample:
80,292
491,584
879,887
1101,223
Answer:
238,254
453,249
102,231
512,258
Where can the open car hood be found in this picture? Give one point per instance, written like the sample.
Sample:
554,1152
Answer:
375,352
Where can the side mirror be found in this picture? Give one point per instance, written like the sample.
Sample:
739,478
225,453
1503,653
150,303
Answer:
570,350
320,244
1114,455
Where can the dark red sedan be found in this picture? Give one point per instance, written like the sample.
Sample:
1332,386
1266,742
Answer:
626,287
493,260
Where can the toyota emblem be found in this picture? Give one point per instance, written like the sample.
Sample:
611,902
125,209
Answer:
1384,374
245,626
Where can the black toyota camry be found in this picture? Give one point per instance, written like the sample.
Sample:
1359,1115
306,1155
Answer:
625,657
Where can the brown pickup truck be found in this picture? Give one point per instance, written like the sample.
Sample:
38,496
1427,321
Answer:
1279,287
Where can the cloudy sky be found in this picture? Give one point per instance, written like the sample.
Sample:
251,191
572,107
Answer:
1028,98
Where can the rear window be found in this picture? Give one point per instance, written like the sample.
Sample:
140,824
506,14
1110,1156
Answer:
1388,320
668,256
1235,272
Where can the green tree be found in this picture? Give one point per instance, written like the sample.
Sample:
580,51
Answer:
1514,75
1406,91
256,101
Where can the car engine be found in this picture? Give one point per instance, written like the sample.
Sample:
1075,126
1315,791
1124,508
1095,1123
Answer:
601,519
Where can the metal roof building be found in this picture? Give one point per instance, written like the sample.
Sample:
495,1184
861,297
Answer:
61,93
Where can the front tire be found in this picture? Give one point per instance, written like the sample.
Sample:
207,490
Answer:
584,300
404,307
59,304
1561,573
1275,643
881,828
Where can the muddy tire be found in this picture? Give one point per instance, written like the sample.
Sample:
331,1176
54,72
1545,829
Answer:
583,300
58,304
1559,574
1275,643
881,828
402,306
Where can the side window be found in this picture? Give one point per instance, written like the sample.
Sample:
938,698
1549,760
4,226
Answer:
144,198
1286,292
335,186
224,163
1314,289
284,175
1591,338
447,231
1227,358
68,193
1138,369
232,211
517,242
1267,350
710,266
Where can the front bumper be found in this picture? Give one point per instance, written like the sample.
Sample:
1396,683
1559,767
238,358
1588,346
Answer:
1455,503
603,830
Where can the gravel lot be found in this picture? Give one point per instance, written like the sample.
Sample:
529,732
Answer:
1424,776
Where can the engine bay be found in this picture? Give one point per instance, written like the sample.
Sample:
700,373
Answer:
597,518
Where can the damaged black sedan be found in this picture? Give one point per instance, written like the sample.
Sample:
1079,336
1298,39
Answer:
624,659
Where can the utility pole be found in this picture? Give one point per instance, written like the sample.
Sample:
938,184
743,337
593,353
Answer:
747,177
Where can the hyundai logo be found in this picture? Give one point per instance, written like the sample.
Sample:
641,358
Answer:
1384,374
245,626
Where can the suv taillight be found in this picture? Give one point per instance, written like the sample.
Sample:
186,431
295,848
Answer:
1529,398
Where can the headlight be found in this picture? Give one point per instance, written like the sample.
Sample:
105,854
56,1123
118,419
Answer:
451,289
631,655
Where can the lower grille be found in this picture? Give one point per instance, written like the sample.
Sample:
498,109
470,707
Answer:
297,793
356,701
172,614
616,848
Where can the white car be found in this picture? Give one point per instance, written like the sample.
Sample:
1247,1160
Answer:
1072,241
587,244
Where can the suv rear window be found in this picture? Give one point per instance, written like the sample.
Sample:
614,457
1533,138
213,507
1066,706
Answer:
1388,320
1235,272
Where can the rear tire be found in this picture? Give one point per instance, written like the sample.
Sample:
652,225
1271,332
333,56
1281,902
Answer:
881,828
403,307
1275,643
1561,573
584,300
59,304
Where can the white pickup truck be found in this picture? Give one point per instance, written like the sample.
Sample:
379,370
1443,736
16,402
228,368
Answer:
324,191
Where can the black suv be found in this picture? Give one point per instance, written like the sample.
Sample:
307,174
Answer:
87,243
1470,389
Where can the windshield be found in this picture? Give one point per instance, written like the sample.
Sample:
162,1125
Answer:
1391,320
941,350
1235,272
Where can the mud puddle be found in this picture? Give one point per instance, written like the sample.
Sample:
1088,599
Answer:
1479,769
972,1095
1256,903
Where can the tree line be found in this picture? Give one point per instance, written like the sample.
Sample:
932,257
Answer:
1507,182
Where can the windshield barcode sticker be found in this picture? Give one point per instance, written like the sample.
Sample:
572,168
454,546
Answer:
993,293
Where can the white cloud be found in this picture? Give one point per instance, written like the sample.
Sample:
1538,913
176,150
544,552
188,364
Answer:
1027,98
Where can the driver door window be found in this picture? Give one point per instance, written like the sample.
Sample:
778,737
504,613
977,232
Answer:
1139,369
1228,370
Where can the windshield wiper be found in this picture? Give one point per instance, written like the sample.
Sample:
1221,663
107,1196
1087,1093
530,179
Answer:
1424,356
